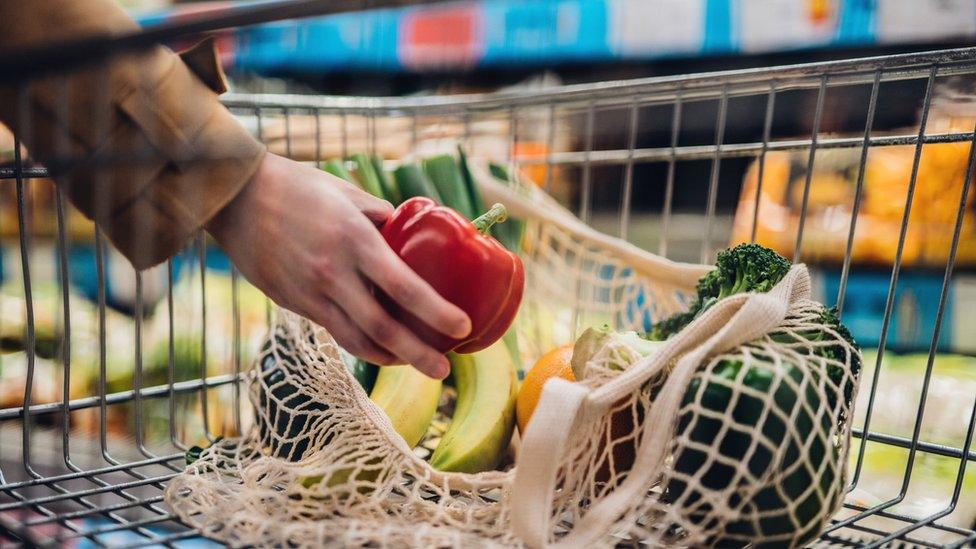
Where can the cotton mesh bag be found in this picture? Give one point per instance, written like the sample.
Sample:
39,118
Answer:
737,432
640,449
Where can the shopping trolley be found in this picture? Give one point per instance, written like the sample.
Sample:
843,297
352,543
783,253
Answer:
111,375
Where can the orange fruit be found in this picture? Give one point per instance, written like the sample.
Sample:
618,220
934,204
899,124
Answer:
555,363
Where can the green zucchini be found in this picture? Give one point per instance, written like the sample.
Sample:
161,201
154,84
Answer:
193,453
364,372
510,232
498,171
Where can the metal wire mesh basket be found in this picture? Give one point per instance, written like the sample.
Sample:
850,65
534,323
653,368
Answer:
109,375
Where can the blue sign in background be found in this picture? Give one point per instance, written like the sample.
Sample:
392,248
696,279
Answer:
515,33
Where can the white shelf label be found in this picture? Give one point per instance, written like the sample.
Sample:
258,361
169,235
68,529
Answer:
923,20
769,25
643,27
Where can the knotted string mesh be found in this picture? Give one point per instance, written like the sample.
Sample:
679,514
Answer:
756,452
744,459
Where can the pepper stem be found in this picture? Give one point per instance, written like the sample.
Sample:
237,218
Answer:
496,214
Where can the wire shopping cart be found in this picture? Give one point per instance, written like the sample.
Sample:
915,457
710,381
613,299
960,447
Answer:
87,451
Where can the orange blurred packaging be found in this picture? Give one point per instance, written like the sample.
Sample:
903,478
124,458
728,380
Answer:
887,175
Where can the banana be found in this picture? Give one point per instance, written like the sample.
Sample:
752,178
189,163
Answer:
409,399
484,416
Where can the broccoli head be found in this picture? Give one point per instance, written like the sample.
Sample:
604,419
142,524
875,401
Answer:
829,318
744,268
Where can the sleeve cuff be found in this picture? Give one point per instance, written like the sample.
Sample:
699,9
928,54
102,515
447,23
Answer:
202,158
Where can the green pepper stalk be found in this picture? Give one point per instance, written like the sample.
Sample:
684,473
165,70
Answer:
496,214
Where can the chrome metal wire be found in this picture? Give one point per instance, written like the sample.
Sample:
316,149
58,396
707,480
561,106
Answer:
93,485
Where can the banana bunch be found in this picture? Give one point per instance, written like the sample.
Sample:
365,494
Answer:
484,414
409,399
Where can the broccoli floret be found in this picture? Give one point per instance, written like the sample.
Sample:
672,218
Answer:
830,317
710,285
744,268
747,268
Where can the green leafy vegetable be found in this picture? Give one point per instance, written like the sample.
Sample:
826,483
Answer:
412,181
744,268
338,168
368,179
477,204
446,176
508,233
390,191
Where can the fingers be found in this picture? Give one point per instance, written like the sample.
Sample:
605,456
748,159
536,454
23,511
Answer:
352,339
375,209
382,266
389,334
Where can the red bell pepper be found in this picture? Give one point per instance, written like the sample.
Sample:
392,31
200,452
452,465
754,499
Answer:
465,265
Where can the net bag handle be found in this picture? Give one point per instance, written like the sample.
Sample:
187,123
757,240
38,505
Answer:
564,405
532,203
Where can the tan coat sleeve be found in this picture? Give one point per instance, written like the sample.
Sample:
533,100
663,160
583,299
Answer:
140,144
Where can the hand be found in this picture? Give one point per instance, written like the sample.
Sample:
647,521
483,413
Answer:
309,241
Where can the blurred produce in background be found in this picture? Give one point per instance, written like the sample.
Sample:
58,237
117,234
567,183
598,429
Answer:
886,178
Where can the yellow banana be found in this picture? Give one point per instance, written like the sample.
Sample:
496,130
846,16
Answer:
484,416
409,399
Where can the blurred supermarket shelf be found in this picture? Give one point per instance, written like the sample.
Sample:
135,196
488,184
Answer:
540,33
913,319
916,295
